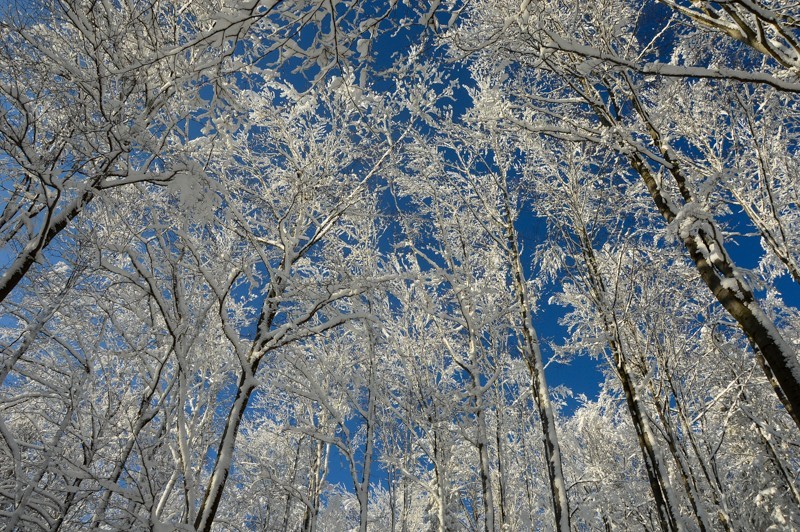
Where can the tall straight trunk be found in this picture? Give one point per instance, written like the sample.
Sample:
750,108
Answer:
501,471
476,392
316,476
408,457
666,503
482,439
440,468
681,462
720,274
657,476
362,486
189,489
533,359
529,491
391,485
287,508
486,476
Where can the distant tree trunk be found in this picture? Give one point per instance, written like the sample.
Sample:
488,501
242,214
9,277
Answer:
677,451
362,485
441,485
663,496
486,476
501,470
717,493
287,509
316,476
533,358
657,476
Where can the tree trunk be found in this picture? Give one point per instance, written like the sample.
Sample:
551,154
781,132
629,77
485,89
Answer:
704,242
657,476
500,465
533,358
216,483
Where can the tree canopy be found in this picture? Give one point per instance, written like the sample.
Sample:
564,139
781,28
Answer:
310,265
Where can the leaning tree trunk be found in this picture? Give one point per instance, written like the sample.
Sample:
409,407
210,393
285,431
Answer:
705,244
216,483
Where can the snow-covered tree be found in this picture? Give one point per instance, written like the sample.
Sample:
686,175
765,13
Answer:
285,265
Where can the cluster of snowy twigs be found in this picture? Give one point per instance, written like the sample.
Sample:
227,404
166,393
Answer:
309,264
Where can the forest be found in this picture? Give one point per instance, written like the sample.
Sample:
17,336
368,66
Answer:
399,265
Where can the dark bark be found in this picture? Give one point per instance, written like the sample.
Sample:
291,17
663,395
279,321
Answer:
219,476
780,360
27,257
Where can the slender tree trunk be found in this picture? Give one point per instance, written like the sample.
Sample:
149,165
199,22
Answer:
654,465
526,460
189,491
486,476
316,477
717,493
666,503
501,471
533,358
678,455
287,509
362,487
441,486
406,490
482,436
391,483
